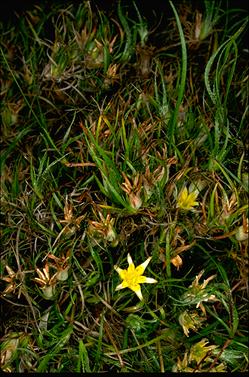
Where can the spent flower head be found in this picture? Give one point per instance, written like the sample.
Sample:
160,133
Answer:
182,365
198,293
61,265
151,178
187,200
10,344
14,280
201,358
133,276
242,232
133,189
47,283
71,222
190,320
104,229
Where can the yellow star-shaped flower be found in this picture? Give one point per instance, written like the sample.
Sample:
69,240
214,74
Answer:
187,200
133,276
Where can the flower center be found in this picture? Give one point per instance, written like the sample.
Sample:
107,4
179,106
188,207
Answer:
132,278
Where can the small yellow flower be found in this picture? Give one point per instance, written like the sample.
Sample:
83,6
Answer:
133,276
187,200
200,350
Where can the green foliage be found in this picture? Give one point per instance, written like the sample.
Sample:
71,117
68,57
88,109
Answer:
121,137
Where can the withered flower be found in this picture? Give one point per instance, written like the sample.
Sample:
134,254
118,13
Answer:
133,190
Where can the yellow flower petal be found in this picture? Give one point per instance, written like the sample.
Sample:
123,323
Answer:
138,293
131,269
120,271
149,280
129,259
141,279
184,193
121,286
140,269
